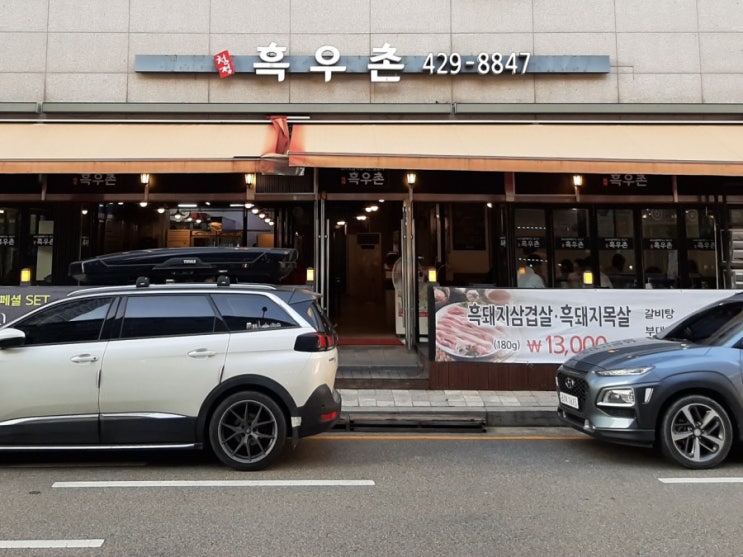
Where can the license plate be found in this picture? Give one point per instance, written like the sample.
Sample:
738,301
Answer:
569,400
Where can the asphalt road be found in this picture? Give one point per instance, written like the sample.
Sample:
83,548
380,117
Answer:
504,492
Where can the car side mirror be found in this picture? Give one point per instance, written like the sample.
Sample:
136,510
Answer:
10,338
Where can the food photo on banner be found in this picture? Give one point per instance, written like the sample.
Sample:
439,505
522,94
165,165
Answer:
544,326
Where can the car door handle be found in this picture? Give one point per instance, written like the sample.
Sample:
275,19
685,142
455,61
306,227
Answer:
201,353
84,358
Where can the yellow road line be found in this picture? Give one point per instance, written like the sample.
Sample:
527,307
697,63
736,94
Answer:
416,437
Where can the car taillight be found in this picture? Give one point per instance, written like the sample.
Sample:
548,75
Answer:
314,342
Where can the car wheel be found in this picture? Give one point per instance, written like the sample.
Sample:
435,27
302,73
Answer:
696,432
247,431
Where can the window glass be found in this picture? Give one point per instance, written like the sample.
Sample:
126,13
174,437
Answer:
531,245
617,246
572,254
702,248
314,315
711,326
163,315
660,248
74,321
251,312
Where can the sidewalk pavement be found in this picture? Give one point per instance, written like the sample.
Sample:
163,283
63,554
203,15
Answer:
403,406
426,408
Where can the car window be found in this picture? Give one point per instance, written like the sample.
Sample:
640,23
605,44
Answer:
74,321
169,315
312,313
707,326
252,312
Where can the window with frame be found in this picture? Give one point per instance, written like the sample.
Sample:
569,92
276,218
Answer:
169,315
252,312
73,321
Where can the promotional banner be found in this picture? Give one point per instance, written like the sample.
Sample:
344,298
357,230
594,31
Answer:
18,300
549,326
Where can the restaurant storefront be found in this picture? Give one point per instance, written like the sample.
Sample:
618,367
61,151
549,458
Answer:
447,144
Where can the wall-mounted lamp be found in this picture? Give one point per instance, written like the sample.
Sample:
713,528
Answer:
26,276
310,275
577,180
587,278
144,178
250,186
432,275
410,178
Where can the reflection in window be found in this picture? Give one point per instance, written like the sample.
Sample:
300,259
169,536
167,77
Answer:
702,248
162,315
572,253
76,321
617,246
660,253
247,312
531,248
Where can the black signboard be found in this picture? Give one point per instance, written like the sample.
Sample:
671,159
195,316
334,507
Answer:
572,243
43,239
593,184
661,244
617,243
706,244
529,242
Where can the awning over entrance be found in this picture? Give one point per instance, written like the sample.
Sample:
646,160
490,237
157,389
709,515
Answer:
64,147
694,149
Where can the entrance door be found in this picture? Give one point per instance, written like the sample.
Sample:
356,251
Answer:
363,245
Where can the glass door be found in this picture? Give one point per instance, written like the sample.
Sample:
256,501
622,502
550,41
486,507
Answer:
702,255
616,245
573,265
660,248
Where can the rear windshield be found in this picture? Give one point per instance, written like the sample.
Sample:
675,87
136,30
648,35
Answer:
310,310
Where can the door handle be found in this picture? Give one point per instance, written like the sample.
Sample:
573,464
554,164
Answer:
84,358
201,353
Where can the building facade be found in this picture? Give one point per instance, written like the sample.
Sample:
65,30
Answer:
592,143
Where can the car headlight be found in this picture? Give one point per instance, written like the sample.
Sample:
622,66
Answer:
624,371
617,397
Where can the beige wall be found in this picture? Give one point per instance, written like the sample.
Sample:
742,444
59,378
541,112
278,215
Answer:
661,51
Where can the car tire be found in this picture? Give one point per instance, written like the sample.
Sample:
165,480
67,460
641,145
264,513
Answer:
247,431
696,432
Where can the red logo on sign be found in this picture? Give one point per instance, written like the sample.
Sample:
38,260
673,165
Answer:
223,61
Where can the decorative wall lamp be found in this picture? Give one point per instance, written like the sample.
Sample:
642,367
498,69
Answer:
145,179
577,183
250,182
410,178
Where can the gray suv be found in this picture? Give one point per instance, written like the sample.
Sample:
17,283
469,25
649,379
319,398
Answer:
237,368
681,390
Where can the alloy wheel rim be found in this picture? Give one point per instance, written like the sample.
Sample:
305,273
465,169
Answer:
247,431
698,432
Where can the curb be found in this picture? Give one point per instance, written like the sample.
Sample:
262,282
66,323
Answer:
448,417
